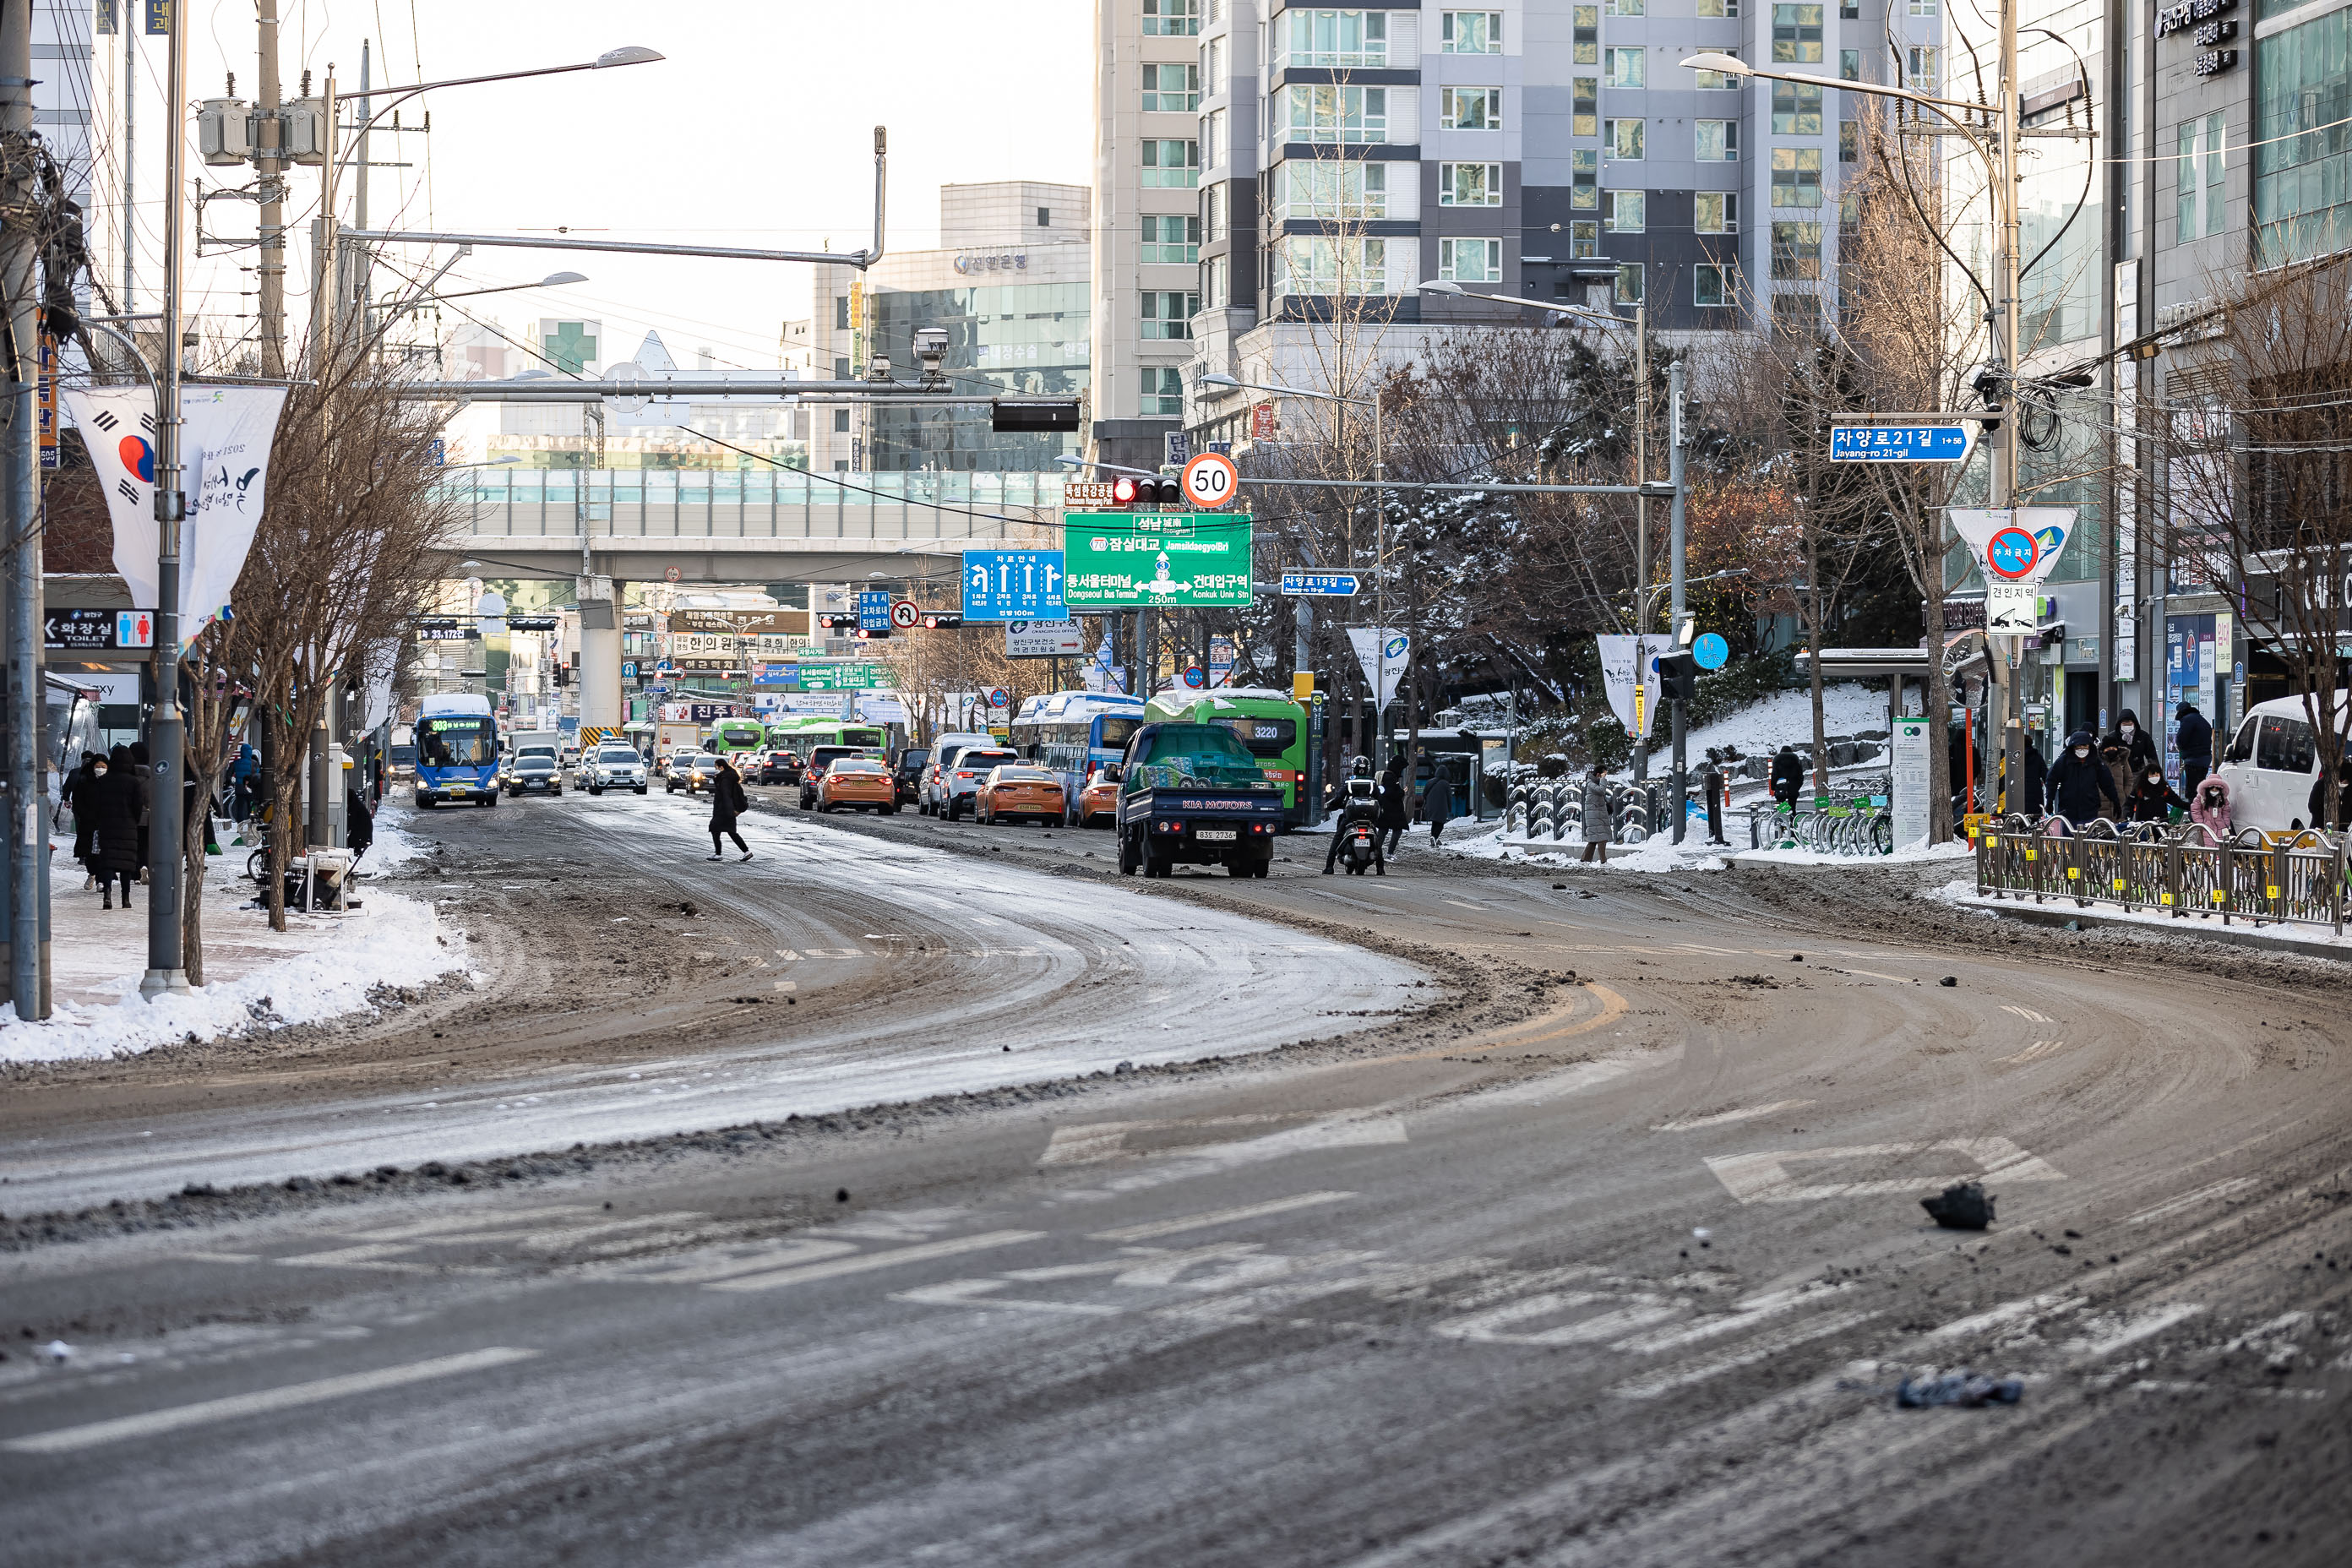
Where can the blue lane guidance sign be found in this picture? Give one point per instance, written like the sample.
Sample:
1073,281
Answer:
873,612
1301,584
1711,650
1901,443
1012,585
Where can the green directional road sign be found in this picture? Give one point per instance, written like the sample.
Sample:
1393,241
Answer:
840,677
1178,560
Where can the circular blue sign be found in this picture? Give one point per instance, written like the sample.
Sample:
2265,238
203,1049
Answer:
1711,650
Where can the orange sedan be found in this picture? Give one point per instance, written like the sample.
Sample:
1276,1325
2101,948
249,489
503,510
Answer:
858,783
1098,802
1009,791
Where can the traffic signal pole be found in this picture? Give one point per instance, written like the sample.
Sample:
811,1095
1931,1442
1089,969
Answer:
1681,781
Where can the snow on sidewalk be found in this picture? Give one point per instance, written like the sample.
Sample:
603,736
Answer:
1662,854
321,966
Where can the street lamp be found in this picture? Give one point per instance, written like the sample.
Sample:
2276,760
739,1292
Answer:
1380,534
553,280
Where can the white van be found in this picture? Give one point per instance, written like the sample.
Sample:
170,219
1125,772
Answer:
2271,762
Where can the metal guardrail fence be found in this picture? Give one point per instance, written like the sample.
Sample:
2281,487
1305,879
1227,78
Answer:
2258,878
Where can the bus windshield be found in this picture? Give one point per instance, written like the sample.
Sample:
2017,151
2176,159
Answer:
1264,737
458,741
1117,732
1195,754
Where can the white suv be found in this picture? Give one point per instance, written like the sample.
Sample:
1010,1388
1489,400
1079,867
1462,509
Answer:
612,767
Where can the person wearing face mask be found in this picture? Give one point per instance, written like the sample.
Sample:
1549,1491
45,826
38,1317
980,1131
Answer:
114,796
2152,799
80,790
2080,781
2317,806
2131,737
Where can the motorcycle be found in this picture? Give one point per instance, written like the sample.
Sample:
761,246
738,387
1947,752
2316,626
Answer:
1360,848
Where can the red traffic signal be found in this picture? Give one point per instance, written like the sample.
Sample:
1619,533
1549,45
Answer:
942,621
1136,491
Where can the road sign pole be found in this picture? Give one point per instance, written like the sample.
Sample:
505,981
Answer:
1674,476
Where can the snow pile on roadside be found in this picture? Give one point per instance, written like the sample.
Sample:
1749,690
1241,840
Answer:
1962,895
1658,854
393,942
1909,854
1787,717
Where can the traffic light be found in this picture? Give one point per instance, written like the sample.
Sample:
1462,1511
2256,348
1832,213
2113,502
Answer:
1678,675
1031,416
941,620
837,623
1144,490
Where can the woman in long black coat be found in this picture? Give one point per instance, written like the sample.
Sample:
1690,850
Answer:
727,801
113,798
85,808
1394,817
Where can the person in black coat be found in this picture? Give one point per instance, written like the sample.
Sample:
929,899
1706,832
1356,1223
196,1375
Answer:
1395,815
2080,781
143,778
727,801
75,792
1788,777
2152,799
2317,808
2194,740
113,798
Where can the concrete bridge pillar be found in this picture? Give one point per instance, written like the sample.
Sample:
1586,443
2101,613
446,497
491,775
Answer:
600,657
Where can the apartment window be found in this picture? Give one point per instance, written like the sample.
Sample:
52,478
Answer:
1923,8
1719,80
1304,264
1796,35
1469,185
1714,284
1715,212
1629,283
1338,37
1626,212
1212,65
1170,162
1796,109
2184,178
1212,138
1583,239
1217,284
1622,138
1470,260
1849,141
1798,313
1470,108
1716,141
841,367
841,421
1849,211
1849,65
1470,33
1923,68
1795,176
1172,89
1584,177
1584,104
1586,22
1340,114
1169,240
1163,385
1626,68
1712,8
1168,313
1172,18
1849,10
1320,188
1044,218
1796,252
1215,218
841,309
1627,7
2216,137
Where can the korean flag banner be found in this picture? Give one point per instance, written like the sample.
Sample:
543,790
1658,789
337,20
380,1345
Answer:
225,437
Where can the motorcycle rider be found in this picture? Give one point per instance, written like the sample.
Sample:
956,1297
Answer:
1357,801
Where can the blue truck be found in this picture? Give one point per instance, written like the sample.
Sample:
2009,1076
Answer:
1193,793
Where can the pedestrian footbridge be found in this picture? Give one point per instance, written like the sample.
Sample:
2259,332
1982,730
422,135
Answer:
708,526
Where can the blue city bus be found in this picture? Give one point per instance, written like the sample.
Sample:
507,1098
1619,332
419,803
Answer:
1075,732
457,751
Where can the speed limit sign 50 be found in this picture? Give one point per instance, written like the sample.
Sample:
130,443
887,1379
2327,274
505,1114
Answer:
1211,480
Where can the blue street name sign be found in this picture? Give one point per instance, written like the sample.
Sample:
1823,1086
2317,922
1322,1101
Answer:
873,612
1319,584
1901,443
1013,586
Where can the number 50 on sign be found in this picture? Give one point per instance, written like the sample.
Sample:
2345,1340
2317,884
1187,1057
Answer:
1210,481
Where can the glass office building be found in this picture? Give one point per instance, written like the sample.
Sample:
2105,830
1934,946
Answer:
1011,339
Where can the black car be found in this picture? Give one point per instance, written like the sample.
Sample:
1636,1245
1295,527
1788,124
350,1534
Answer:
909,773
777,767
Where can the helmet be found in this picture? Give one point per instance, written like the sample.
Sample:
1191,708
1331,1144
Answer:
1361,768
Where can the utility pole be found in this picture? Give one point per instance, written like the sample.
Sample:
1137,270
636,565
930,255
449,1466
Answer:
271,130
28,835
166,968
2005,308
1681,780
1641,516
130,162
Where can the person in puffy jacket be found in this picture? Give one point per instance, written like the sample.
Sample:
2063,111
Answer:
2080,781
2317,810
2209,804
1596,816
1788,777
2193,738
2152,798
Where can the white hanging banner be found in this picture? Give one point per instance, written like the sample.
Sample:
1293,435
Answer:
2017,544
1619,658
226,433
1385,655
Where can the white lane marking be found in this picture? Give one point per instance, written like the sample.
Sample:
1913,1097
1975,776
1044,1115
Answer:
1157,1227
2027,1014
513,1219
1095,1141
1872,973
347,1256
1764,1177
96,1434
548,1240
2007,1312
2149,1385
1549,1087
2034,1053
979,1293
766,1257
1755,1349
2187,1201
221,1257
2134,1329
866,1262
1637,1310
1743,1315
1725,1118
903,1224
1462,903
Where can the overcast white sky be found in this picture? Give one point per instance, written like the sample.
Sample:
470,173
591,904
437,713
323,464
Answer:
756,131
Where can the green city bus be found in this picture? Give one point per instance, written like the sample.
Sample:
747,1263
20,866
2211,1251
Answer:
1266,721
729,735
803,734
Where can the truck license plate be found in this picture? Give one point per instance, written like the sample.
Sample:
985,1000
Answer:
1217,835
